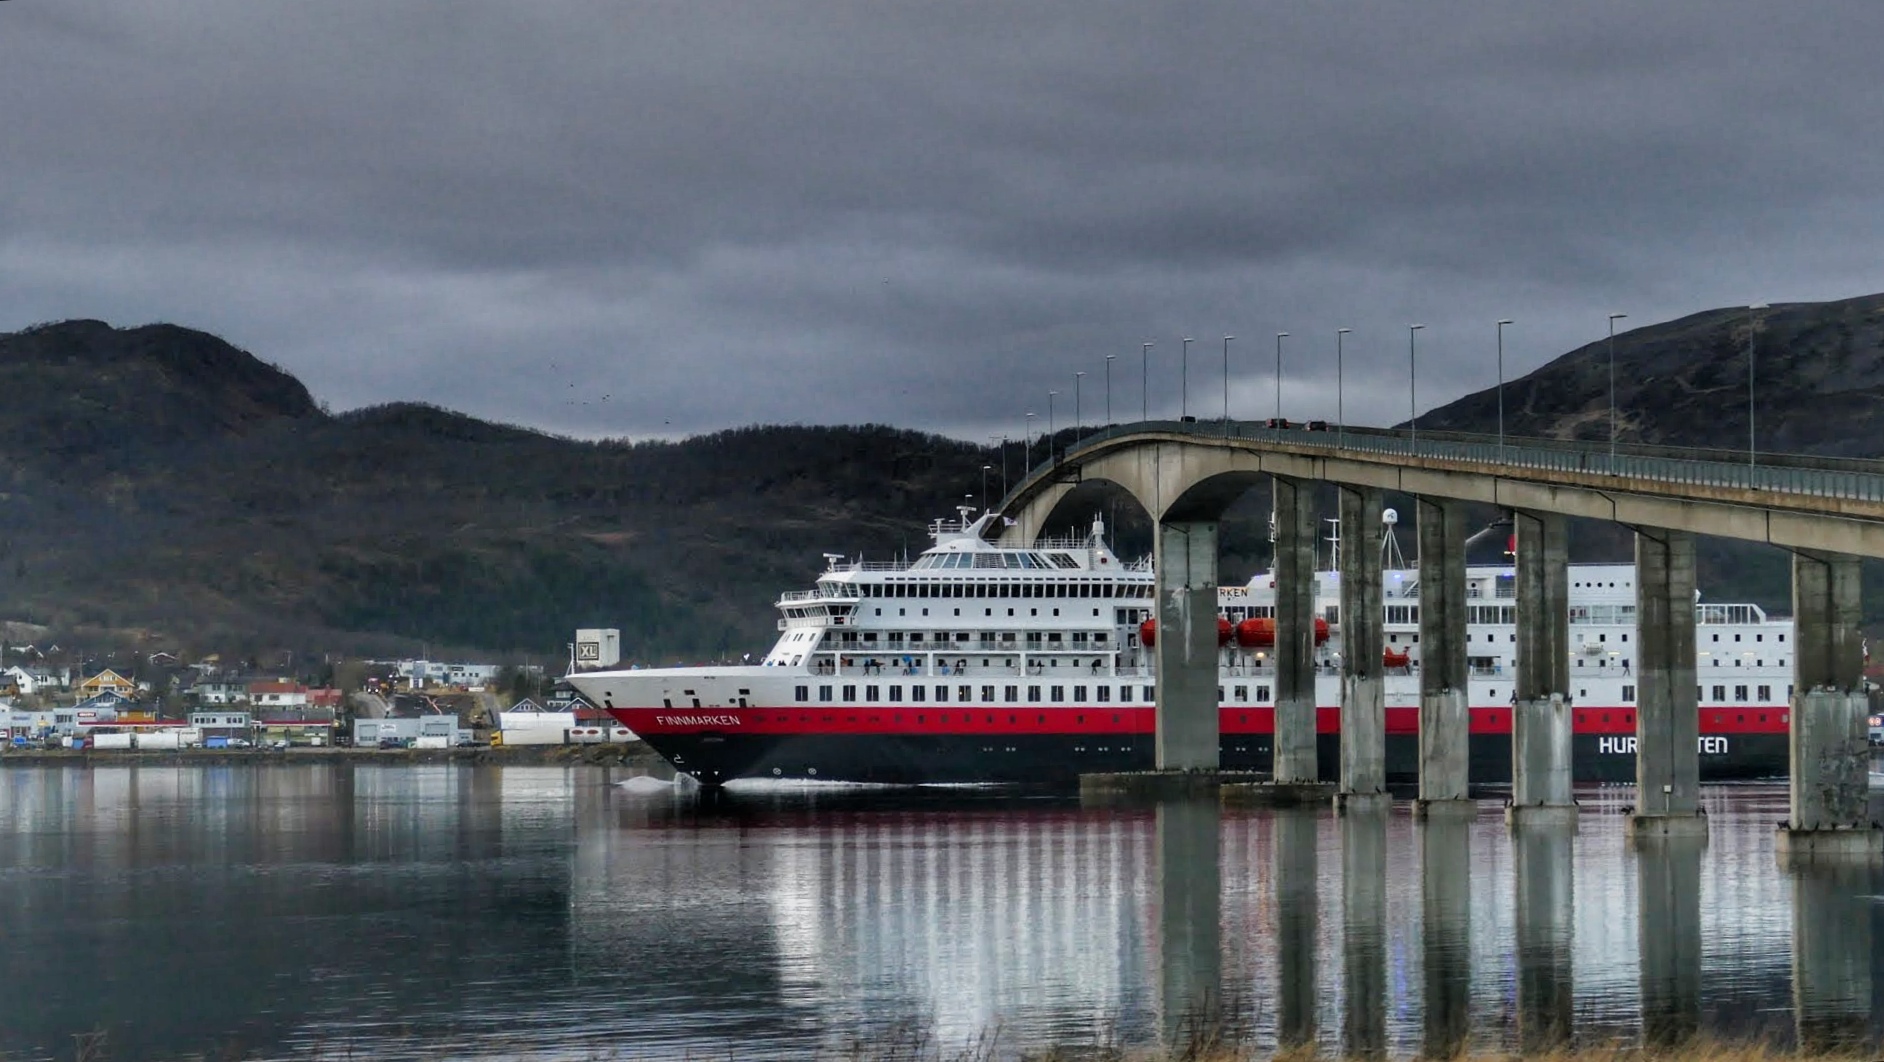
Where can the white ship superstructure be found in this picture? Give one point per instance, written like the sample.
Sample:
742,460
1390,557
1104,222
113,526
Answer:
975,655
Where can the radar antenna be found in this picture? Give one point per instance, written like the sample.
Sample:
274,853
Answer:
1390,556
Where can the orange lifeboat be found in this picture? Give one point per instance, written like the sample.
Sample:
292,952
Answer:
1148,634
1259,632
1223,632
1389,658
1256,633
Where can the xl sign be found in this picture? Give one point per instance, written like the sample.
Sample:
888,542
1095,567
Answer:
1708,745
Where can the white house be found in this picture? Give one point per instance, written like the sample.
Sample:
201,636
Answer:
223,691
278,694
421,673
34,678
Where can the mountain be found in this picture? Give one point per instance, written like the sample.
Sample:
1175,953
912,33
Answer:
1818,380
165,489
164,485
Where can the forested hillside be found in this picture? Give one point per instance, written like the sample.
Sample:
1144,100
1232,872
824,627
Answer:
162,481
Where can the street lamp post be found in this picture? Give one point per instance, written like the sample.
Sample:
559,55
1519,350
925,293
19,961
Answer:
1341,413
1751,448
1144,383
1613,318
1110,358
1027,446
1280,336
1077,422
1501,387
1412,382
1226,385
985,469
1051,395
1184,380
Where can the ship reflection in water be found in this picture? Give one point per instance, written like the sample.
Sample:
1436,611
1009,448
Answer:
1367,936
545,912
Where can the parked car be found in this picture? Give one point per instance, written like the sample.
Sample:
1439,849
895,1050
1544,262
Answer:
1877,730
240,743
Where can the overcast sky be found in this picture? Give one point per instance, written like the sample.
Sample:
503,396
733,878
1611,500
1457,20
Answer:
703,214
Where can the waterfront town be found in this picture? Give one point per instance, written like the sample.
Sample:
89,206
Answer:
52,699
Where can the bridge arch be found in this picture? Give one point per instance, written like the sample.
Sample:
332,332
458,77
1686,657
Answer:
1170,479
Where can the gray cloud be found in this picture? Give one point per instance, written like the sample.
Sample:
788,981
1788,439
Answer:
929,215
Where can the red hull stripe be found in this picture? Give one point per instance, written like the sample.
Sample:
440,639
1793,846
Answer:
1115,719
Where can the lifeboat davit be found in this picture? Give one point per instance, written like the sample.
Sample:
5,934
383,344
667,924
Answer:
1389,658
1259,632
1223,632
1148,634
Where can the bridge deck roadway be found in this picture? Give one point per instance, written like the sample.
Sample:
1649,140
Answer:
1170,466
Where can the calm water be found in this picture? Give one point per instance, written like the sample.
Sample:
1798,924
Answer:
466,911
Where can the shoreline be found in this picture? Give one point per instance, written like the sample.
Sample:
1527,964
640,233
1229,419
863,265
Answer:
633,755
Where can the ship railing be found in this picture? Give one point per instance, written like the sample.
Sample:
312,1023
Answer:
893,668
1252,670
1062,542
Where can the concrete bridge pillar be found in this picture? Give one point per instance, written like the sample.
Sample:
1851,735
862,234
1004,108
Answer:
1363,691
1446,928
1832,956
1668,916
1364,930
1187,726
1444,717
1296,904
1190,915
1830,754
1545,905
1667,715
1295,631
1540,717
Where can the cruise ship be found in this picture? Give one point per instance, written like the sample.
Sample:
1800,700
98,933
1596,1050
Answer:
977,662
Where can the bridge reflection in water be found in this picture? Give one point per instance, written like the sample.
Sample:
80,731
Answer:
1367,935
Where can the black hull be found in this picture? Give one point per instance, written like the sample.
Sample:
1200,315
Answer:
1058,760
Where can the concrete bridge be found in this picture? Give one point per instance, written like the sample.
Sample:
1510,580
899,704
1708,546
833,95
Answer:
1828,513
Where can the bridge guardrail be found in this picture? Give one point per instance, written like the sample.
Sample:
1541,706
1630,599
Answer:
1836,478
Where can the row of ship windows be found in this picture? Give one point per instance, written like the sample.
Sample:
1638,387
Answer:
1046,561
940,694
1626,718
965,694
984,612
1022,588
942,638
